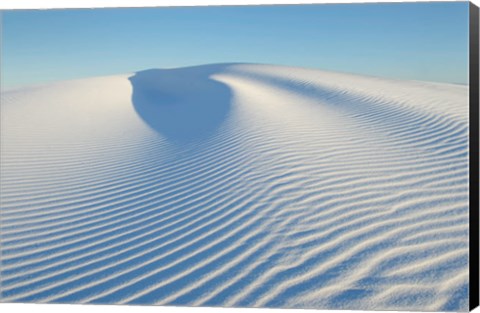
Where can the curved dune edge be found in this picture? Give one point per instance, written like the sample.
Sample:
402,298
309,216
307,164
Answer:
236,185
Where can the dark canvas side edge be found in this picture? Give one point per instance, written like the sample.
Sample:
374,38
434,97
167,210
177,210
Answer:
474,155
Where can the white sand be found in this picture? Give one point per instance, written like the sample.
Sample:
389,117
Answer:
236,185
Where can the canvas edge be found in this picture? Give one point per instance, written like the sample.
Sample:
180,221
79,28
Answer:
474,156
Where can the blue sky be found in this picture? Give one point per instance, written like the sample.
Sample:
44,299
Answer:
421,41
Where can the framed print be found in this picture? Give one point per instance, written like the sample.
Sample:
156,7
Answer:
314,156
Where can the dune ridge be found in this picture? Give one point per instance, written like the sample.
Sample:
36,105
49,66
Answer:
236,185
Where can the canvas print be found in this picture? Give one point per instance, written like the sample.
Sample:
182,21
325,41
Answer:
281,156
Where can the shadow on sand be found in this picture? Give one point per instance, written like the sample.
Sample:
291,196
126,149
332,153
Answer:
183,104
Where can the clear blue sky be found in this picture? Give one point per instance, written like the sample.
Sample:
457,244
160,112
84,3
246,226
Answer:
422,41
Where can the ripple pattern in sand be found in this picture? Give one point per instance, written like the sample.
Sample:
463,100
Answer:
315,190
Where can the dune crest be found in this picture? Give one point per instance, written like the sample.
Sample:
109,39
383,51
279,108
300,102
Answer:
182,104
236,185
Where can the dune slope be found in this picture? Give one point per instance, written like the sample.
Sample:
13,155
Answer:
236,185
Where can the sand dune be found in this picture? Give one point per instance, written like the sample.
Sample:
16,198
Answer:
236,185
